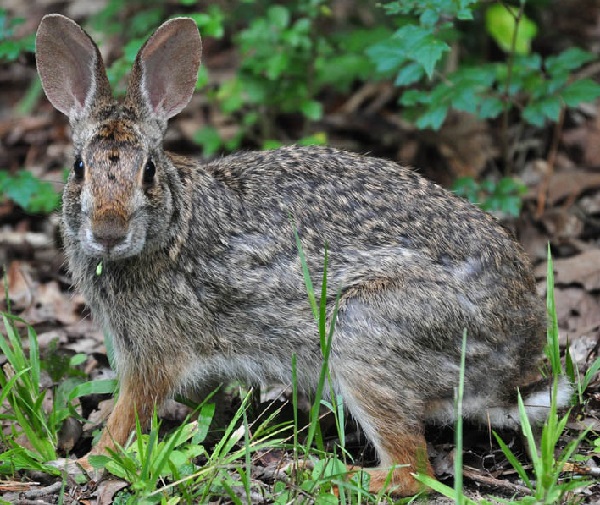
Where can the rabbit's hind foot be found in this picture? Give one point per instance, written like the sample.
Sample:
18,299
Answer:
408,458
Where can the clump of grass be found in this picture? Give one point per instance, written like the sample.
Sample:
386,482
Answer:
20,383
34,429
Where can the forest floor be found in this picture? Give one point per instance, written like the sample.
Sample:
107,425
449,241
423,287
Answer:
560,167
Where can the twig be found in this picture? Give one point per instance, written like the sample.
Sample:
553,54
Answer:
543,187
44,491
492,481
510,63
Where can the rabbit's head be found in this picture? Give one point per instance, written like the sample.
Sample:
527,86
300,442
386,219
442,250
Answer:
119,196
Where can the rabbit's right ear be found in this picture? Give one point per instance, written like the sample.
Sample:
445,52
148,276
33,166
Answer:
70,66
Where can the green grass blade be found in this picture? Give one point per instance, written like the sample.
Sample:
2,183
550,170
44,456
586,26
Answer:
244,474
512,459
458,439
96,387
552,348
307,281
323,305
590,374
530,439
34,357
227,441
295,404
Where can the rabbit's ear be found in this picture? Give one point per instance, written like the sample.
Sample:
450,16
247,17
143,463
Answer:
166,69
70,66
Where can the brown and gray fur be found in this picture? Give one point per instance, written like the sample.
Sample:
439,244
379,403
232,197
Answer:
202,281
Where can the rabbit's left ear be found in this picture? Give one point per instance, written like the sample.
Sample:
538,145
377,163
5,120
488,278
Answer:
70,66
166,69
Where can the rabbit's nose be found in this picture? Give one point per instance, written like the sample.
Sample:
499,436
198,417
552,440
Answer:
109,232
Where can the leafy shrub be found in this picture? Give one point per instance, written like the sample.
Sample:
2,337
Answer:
287,57
503,196
30,193
538,86
10,47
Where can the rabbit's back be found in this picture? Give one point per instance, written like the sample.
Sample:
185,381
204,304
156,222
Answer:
375,216
361,202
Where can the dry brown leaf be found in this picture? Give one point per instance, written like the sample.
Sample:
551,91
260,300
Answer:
70,433
465,142
561,223
51,304
20,285
107,489
587,139
99,416
576,309
582,269
580,348
570,184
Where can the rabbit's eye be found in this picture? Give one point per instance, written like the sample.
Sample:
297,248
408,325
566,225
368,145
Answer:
78,168
149,171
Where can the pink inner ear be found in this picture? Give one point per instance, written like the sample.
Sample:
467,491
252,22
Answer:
169,63
157,84
80,81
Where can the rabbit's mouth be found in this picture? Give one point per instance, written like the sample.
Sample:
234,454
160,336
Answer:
112,244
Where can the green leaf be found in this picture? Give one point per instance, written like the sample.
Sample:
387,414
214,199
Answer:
413,97
429,17
279,16
209,138
490,107
277,65
30,193
131,49
500,22
211,22
422,46
78,359
568,60
99,461
432,118
312,110
585,90
537,112
387,55
231,94
409,74
316,139
97,387
270,144
409,43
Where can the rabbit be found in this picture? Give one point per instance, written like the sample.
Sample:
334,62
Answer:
201,278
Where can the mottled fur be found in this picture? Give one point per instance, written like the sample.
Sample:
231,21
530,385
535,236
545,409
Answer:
202,281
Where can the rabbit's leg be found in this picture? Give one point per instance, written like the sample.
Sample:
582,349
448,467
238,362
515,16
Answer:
397,437
138,395
380,371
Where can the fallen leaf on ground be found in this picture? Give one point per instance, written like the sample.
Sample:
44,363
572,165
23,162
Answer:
582,269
